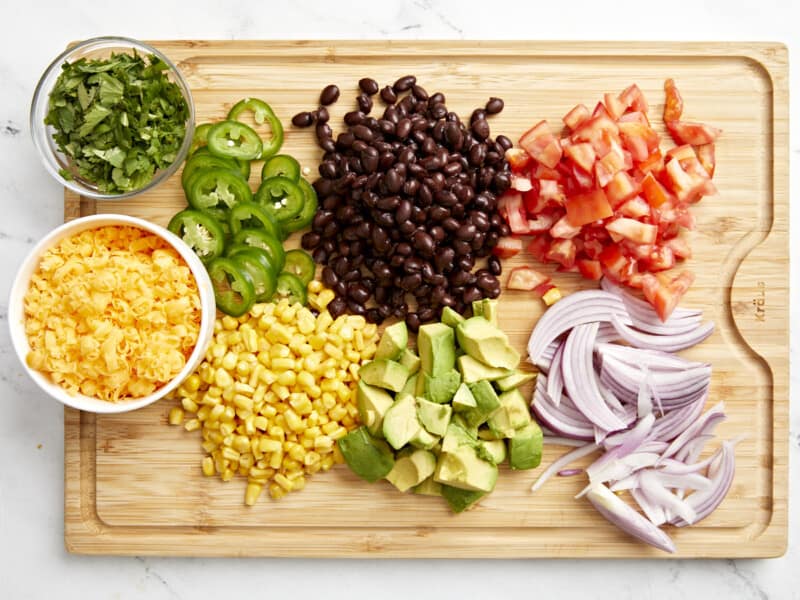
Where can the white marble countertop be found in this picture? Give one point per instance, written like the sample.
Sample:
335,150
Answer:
33,562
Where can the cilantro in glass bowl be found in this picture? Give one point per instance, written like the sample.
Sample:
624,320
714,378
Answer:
112,117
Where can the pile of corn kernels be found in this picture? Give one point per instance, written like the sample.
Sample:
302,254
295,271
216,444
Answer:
276,390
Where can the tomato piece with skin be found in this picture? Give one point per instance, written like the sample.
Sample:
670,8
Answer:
622,187
526,279
635,117
615,264
541,144
673,103
660,258
696,134
582,154
653,191
551,191
538,247
576,117
633,97
705,154
564,229
614,106
635,208
507,247
542,222
680,248
542,172
639,139
631,229
654,162
587,208
590,269
562,252
664,297
518,159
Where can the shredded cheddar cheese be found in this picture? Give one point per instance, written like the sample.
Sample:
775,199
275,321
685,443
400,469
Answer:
112,313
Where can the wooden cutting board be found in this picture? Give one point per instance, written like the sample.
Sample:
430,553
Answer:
133,484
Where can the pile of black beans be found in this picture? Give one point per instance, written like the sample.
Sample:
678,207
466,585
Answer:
408,204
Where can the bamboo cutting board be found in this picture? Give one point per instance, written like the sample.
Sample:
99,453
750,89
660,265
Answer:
134,486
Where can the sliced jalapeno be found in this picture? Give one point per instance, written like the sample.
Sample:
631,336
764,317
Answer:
200,232
249,215
262,113
222,217
281,165
234,291
222,188
300,264
232,139
259,238
265,257
291,288
306,215
282,197
255,263
203,159
244,168
200,138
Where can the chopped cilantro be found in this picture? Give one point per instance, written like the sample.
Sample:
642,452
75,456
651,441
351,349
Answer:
119,120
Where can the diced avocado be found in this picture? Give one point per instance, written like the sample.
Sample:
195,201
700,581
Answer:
393,341
433,416
412,469
437,348
419,386
489,311
373,402
367,457
512,414
525,448
424,439
486,343
442,388
411,385
460,500
515,380
384,373
484,433
493,451
473,370
410,360
463,469
456,436
463,400
486,401
477,308
400,422
450,317
429,487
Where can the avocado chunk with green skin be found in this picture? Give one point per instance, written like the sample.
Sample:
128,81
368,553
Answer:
367,457
393,341
525,448
433,416
457,436
489,311
400,423
437,348
410,360
463,399
424,439
512,415
515,380
450,317
486,343
384,373
477,308
442,388
460,500
486,401
464,469
493,451
373,402
429,487
473,370
411,470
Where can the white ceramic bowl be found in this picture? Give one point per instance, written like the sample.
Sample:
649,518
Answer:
16,311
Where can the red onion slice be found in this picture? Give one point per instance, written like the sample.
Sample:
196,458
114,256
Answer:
555,379
704,502
668,343
562,462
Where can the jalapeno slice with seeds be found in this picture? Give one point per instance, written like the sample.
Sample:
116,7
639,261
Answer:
291,288
232,139
259,238
281,165
218,188
203,159
249,215
306,215
200,138
255,263
282,197
300,264
262,113
200,232
234,291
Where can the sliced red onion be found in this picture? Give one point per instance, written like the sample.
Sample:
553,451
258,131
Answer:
653,511
668,343
654,360
630,440
704,502
702,426
562,462
670,426
656,491
569,472
623,516
554,440
555,379
564,419
612,467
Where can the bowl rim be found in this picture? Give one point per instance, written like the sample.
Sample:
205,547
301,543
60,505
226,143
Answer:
42,95
21,282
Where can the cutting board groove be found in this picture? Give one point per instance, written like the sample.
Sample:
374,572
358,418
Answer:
133,484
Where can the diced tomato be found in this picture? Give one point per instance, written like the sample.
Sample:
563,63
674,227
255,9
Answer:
592,130
590,269
521,184
542,145
592,248
615,264
665,296
582,154
682,152
654,162
533,204
622,187
587,208
673,104
660,258
564,229
518,159
653,191
562,252
539,246
551,191
526,278
631,229
635,250
680,248
634,117
574,118
542,223
600,110
635,208
633,98
581,179
696,134
686,187
507,247
639,139
705,154
510,206
614,106
542,172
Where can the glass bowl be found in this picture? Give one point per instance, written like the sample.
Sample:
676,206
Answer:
55,160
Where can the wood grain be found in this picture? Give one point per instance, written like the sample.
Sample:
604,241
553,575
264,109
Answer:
133,484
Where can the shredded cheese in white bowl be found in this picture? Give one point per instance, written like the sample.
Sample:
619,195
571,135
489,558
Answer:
109,313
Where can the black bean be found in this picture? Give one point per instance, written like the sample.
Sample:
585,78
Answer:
322,115
480,129
494,105
424,243
471,294
413,321
310,240
368,86
354,117
337,307
388,95
323,131
404,83
364,103
504,142
303,119
420,94
362,132
495,268
438,111
403,128
329,95
466,232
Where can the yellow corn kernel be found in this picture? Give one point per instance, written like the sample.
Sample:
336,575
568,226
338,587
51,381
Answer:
266,444
312,362
293,421
289,464
352,355
246,461
251,494
283,364
189,405
326,462
230,454
250,339
307,443
305,379
338,412
300,403
289,314
279,334
346,332
280,351
208,466
358,341
229,363
299,482
316,341
332,351
315,286
227,474
311,458
328,401
192,383
338,457
330,427
229,323
276,492
216,413
369,351
276,459
324,298
287,378
328,385
209,446
191,425
323,444
260,422
175,416
242,402
228,394
305,322
213,392
314,391
348,422
269,411
223,379
276,432
313,419
338,433
314,468
241,443
297,453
